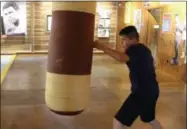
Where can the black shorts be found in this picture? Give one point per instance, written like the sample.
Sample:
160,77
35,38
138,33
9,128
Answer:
135,106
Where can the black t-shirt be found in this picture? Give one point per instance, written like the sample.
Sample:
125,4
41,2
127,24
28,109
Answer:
142,70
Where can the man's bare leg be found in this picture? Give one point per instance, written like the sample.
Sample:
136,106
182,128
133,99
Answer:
118,125
155,124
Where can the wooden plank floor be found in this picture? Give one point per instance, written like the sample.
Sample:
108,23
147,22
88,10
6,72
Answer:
23,105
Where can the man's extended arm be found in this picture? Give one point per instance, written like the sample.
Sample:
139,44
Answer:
120,56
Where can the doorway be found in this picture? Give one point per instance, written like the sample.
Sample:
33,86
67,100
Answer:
153,31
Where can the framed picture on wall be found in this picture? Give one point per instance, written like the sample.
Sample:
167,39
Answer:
166,23
104,22
49,21
101,23
103,33
14,17
2,26
104,28
137,19
103,13
107,23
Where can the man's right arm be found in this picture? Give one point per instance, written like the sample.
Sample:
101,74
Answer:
120,56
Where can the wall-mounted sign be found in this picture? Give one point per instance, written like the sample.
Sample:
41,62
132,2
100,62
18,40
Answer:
166,24
137,19
14,17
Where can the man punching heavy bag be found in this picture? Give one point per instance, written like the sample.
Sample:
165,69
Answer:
70,57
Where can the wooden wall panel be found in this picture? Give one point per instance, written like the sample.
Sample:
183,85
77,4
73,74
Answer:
111,41
120,25
41,35
37,33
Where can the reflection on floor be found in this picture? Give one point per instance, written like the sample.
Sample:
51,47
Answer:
5,59
6,62
23,105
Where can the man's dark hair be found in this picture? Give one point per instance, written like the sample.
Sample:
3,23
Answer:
11,4
130,32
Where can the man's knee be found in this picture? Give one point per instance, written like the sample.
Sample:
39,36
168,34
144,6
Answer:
155,124
152,122
119,125
117,121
